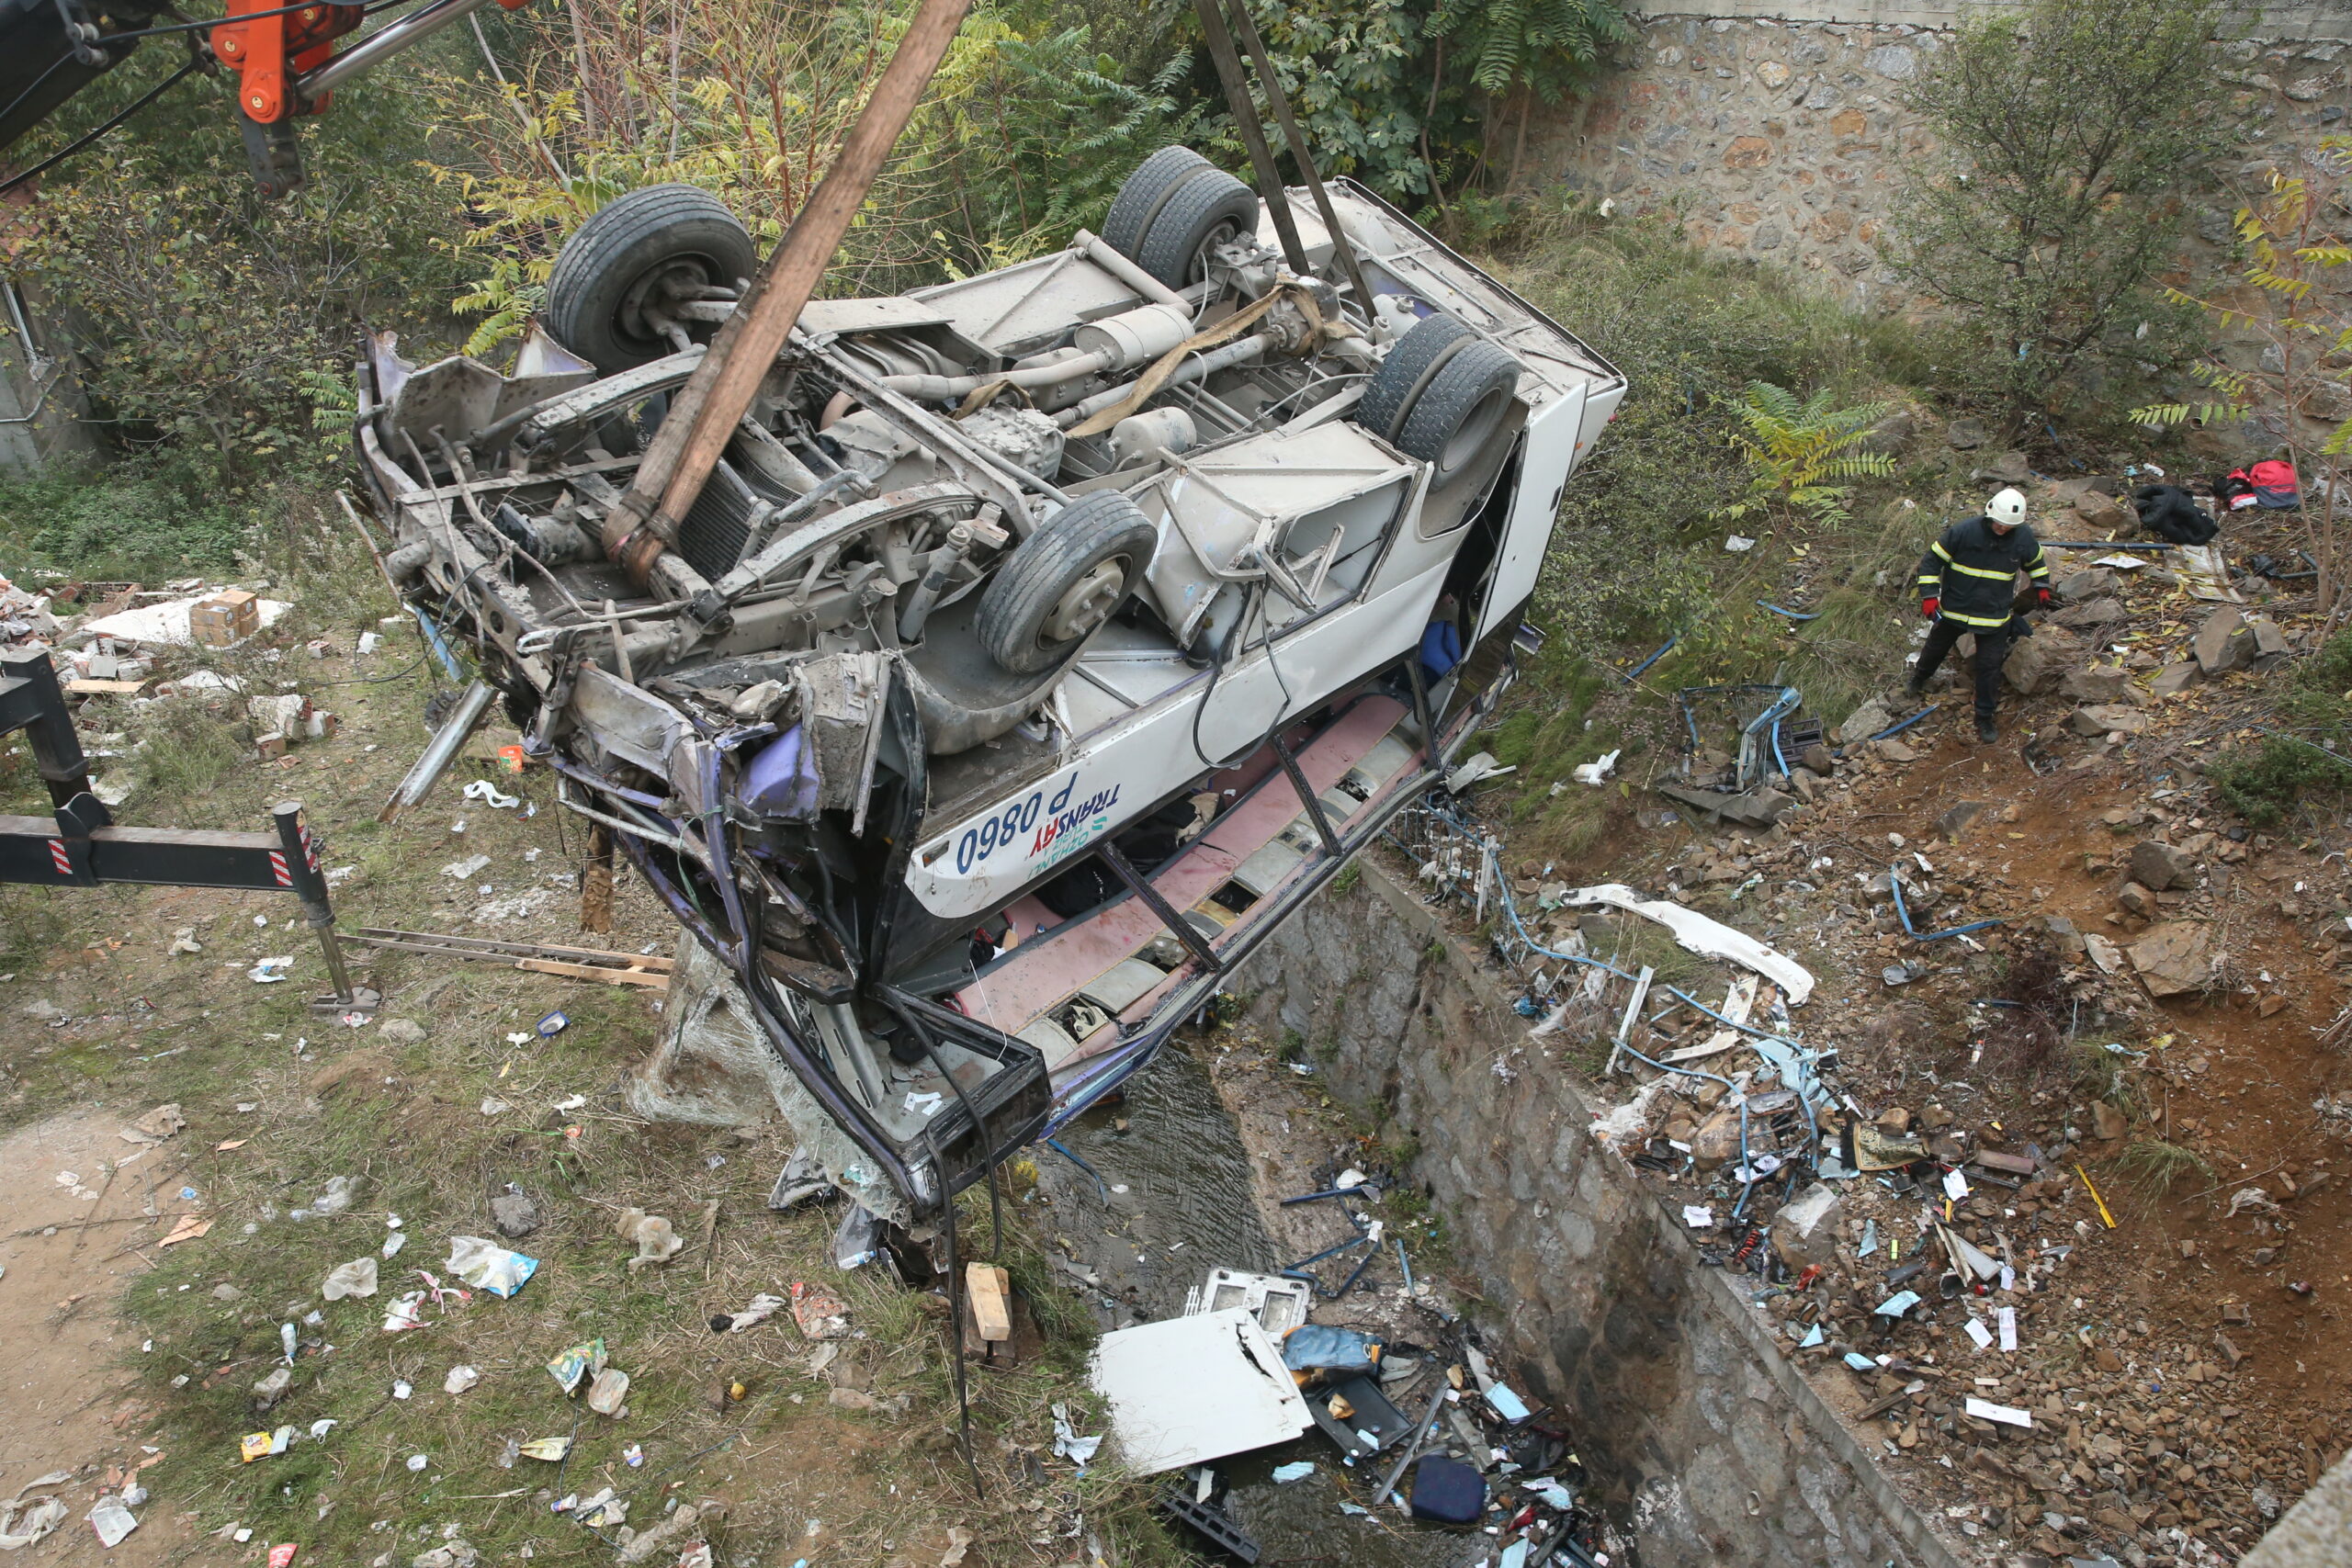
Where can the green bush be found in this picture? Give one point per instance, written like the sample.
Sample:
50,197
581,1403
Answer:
2262,781
131,523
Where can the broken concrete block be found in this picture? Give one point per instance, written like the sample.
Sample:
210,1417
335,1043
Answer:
2038,663
2175,957
2223,643
2160,867
1864,722
2175,679
1893,752
2270,645
2098,683
1806,1230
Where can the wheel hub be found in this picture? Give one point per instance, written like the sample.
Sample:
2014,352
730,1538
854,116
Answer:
1087,601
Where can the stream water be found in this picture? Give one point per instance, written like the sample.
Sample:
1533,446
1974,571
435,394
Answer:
1174,1201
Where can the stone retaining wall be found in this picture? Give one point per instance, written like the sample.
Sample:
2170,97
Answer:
1697,1427
1773,130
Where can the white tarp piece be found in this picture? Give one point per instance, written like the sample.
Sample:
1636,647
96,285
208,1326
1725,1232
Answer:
1710,938
168,623
1189,1390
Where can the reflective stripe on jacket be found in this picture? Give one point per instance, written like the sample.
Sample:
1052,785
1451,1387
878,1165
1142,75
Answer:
1974,571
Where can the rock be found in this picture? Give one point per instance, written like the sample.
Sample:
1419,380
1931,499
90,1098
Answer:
1890,436
2098,511
2092,615
2224,643
1952,822
1892,62
2066,935
1894,1122
2107,1121
1864,722
2159,865
1965,435
2037,663
515,1214
401,1031
1816,757
2007,468
2098,683
2174,679
1773,74
2108,718
2173,958
1806,1230
2139,901
226,1293
1893,752
2271,647
1717,1139
2103,953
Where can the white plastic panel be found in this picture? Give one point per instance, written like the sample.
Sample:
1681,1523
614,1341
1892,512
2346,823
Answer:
1552,449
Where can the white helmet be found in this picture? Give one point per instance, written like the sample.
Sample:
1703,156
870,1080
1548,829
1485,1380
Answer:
2007,509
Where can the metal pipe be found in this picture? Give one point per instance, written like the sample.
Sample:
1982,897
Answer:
1421,1436
938,388
440,751
383,44
1191,370
1101,253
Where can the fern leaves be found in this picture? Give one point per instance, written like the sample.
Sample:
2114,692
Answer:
1801,453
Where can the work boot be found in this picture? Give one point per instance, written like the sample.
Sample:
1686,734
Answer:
1915,690
1986,730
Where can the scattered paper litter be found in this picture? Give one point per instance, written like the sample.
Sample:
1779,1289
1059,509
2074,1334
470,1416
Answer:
168,623
1595,772
459,1380
1698,1216
111,1520
1706,937
1298,1471
269,971
488,794
356,1278
1067,1444
1979,1333
2007,1414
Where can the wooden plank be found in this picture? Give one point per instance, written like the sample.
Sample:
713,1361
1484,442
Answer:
103,688
991,1292
484,947
2015,1164
648,979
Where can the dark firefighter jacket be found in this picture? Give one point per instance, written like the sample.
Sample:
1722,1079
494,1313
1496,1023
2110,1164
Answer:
1974,571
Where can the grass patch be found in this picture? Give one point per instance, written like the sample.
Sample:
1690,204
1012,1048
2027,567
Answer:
2155,1167
2264,781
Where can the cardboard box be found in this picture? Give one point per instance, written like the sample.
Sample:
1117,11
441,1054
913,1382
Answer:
224,618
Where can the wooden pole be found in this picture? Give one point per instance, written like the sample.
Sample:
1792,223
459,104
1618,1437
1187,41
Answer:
704,414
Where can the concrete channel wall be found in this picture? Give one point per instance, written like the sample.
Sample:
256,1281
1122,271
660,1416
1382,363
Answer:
1700,1431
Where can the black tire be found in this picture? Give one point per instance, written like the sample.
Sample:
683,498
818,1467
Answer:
1440,395
1052,591
605,266
1208,206
1140,198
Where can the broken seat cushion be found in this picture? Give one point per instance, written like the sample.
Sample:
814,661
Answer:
1447,1492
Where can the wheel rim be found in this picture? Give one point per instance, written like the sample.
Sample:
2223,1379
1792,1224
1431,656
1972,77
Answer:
658,287
1197,267
1470,436
1086,603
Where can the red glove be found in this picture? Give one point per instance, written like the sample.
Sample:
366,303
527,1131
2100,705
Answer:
2041,598
1928,608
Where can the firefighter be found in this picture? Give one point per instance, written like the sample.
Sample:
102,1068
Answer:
1968,585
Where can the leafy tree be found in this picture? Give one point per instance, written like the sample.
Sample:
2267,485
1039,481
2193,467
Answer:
1025,134
1798,451
1520,51
204,317
2069,132
2294,382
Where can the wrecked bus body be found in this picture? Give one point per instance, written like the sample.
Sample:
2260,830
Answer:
1041,640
